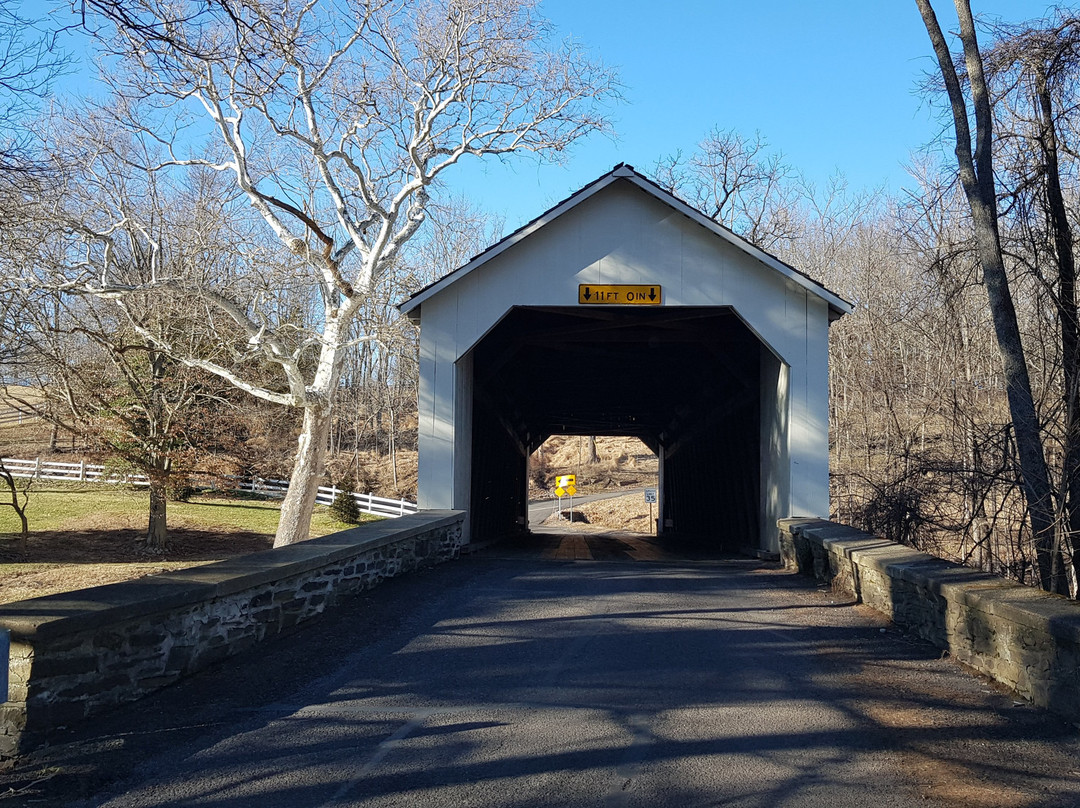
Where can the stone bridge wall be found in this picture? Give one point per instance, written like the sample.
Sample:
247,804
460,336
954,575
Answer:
78,653
1022,637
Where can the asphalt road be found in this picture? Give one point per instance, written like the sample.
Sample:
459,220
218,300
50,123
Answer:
505,680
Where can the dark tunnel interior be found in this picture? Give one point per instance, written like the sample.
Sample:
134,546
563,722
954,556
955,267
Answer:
686,381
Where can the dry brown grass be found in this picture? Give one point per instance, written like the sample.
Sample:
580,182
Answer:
628,513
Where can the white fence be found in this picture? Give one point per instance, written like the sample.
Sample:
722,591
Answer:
14,416
89,473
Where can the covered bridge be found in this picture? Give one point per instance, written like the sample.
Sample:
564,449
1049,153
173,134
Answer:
624,311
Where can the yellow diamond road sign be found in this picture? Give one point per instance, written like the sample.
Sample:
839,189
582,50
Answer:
565,485
619,294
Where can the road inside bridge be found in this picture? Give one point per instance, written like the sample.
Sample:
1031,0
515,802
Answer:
508,680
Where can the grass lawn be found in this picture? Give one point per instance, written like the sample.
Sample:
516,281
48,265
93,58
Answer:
78,508
86,536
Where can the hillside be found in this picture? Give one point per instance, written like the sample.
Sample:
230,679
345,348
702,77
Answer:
621,463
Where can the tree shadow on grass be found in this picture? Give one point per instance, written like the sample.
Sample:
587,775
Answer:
125,545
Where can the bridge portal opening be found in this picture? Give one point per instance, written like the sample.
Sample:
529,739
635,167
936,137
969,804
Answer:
695,385
616,468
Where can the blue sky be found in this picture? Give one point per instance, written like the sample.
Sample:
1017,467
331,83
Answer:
830,83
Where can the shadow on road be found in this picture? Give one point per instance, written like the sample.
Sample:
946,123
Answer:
507,680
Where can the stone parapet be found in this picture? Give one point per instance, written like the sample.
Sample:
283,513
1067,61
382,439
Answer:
75,654
1027,639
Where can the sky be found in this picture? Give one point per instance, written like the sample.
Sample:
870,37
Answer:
830,83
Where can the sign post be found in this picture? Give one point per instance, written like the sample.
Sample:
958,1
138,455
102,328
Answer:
566,485
650,497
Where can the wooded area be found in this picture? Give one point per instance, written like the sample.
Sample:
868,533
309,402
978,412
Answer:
200,269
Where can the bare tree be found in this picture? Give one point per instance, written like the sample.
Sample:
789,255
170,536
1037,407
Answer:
976,168
97,366
335,121
18,499
1034,72
29,61
95,377
375,410
738,182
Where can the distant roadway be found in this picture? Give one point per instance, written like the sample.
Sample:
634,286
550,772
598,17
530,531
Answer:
541,509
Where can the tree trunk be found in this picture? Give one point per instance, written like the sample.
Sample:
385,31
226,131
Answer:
308,465
157,532
299,503
593,456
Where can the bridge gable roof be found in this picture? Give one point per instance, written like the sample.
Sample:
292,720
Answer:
624,173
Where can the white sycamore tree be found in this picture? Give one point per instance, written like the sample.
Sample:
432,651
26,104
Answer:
335,119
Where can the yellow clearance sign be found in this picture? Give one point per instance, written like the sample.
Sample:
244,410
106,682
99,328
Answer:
618,294
565,485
